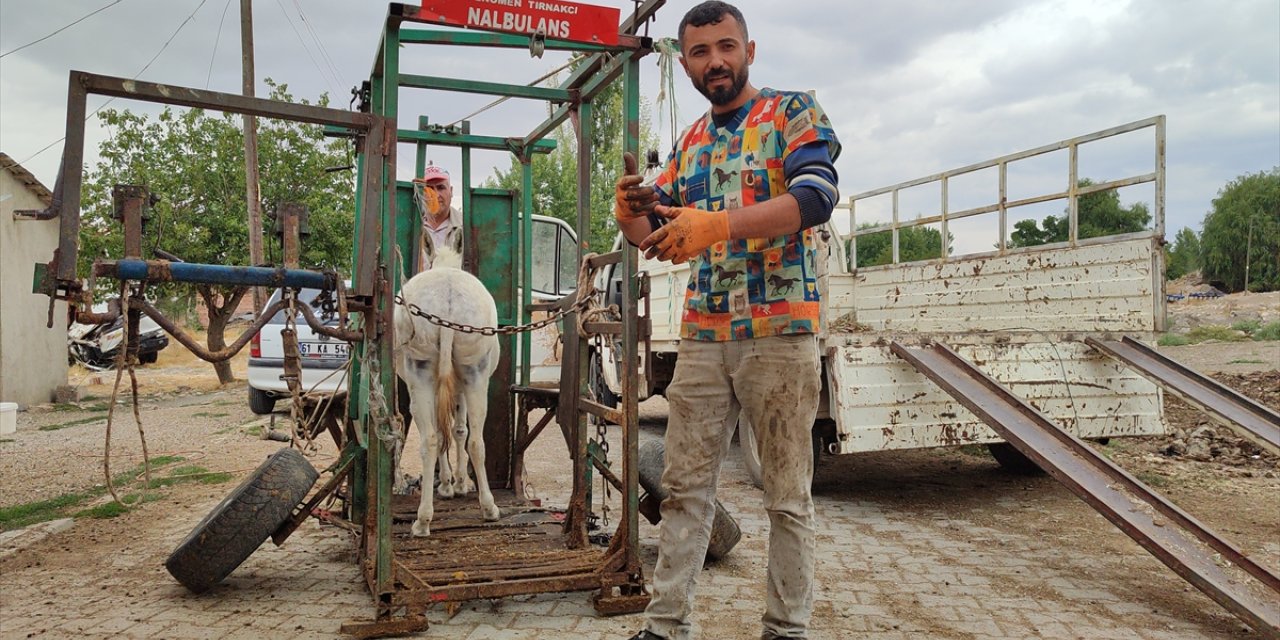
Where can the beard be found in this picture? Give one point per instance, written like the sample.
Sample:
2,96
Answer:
722,95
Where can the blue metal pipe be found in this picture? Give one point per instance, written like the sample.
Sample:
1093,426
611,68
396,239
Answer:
165,271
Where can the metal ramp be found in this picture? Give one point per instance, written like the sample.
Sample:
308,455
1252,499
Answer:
1221,571
1251,420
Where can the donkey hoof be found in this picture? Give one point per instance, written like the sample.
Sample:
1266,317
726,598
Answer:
420,529
465,487
446,490
491,512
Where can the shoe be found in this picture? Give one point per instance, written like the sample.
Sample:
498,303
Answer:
646,635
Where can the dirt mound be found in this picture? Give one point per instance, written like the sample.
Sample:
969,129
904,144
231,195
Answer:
1195,436
1191,312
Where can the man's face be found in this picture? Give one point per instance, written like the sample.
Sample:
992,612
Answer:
717,59
444,190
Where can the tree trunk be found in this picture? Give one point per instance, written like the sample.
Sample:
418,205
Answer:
219,314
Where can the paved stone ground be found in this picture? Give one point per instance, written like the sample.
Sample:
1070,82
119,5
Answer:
916,545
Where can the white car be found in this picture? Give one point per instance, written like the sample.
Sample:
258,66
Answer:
324,359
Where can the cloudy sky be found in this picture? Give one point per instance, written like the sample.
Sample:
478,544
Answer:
913,87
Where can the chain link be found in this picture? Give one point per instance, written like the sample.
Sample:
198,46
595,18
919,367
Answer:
585,294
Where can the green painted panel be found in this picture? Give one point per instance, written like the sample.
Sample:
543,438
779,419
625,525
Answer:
491,244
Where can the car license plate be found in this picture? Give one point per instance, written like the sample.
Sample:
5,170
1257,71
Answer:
335,350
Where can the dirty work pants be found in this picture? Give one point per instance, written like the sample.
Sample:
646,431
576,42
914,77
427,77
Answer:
774,382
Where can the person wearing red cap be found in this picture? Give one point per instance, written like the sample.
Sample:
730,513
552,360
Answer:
433,193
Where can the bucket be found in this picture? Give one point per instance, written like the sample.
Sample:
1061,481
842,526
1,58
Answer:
8,417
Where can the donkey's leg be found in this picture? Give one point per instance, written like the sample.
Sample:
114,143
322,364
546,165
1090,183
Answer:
476,392
422,391
445,451
462,483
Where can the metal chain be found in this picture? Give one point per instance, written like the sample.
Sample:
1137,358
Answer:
414,309
585,294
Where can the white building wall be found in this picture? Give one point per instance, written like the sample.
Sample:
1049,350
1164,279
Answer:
33,357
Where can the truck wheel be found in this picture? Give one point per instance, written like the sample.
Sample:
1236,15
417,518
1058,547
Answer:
725,533
242,521
261,402
751,455
1012,460
149,358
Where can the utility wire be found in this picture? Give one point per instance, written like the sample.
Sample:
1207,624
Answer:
81,19
324,53
305,48
216,40
135,77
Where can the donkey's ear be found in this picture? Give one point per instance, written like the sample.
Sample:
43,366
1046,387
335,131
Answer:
455,240
428,251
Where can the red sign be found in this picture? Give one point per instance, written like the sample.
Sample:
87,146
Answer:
556,19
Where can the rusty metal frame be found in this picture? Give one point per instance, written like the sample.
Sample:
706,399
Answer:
1175,538
400,596
1249,419
1003,204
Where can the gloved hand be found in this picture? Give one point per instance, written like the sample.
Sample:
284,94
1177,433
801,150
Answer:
631,199
689,233
431,203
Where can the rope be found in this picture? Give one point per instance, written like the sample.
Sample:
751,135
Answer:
668,49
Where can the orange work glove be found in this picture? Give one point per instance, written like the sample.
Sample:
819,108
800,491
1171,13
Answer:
689,233
431,204
631,199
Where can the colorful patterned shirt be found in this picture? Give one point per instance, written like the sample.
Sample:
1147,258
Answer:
758,287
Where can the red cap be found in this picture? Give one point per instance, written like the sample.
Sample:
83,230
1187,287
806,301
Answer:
433,172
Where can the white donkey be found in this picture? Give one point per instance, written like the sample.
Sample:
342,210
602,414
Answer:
448,373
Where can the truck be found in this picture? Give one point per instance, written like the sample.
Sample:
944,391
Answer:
1021,313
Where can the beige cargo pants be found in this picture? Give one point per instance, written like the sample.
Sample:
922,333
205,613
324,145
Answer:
775,382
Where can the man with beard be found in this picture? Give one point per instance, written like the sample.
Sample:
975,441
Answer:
741,193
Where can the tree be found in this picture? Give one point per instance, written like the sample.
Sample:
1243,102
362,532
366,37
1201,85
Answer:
914,243
1240,241
194,162
555,175
1183,256
1098,214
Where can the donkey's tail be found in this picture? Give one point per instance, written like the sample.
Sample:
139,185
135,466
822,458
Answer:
446,384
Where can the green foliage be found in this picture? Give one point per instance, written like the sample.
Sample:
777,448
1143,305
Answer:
1099,214
73,423
1247,326
555,175
194,162
1269,331
1183,256
103,511
914,243
71,503
1243,230
30,513
1173,340
1217,332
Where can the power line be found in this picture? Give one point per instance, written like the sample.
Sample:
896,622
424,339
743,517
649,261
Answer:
82,19
333,69
135,77
305,48
215,43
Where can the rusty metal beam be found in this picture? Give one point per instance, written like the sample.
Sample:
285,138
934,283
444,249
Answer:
1168,533
1247,418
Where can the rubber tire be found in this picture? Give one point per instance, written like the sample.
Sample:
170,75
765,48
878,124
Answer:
149,358
242,521
261,402
751,456
1012,460
725,532
595,381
